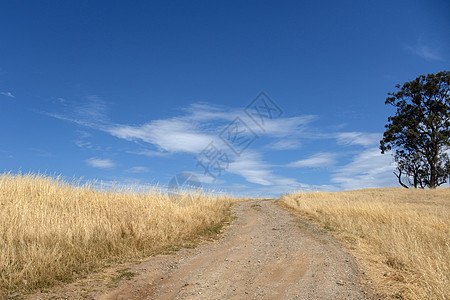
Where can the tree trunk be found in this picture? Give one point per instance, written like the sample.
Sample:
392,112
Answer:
432,175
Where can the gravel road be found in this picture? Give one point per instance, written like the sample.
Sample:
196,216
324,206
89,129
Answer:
266,253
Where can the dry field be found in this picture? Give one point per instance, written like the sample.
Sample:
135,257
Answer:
53,231
400,237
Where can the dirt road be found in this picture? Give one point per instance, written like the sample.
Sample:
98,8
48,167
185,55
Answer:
266,253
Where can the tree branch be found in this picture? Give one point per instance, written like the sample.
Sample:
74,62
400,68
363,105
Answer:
399,176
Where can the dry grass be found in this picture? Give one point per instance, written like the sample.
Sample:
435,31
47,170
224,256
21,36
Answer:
52,231
400,237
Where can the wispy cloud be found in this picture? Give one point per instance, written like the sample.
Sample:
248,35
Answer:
172,135
250,166
358,138
367,169
282,127
138,169
206,112
189,133
82,141
193,132
285,144
199,125
90,111
102,163
425,51
149,153
8,94
317,160
92,108
254,169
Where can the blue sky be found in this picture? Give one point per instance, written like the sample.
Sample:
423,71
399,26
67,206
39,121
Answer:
137,92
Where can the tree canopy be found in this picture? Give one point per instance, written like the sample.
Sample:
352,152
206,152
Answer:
419,131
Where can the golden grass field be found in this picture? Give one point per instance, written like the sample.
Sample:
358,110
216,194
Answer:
52,231
400,237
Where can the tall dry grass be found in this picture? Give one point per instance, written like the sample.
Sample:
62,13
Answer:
401,237
52,231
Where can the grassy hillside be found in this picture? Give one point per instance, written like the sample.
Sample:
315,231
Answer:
52,231
400,237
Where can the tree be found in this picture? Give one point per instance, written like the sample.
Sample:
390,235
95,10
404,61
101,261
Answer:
420,131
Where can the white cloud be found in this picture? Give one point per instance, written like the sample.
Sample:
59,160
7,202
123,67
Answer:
358,138
317,160
8,94
250,166
103,163
83,134
87,112
201,124
369,168
190,133
206,112
287,126
149,153
138,169
83,142
254,170
92,108
172,135
278,127
424,51
285,144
